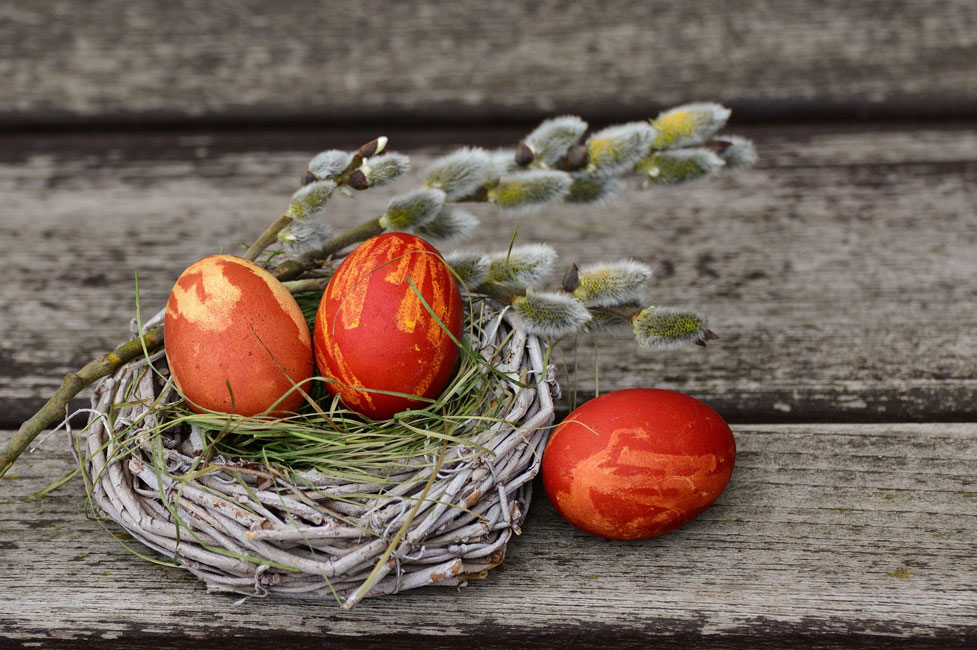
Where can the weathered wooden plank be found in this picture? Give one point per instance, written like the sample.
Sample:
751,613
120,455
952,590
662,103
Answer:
839,273
306,61
853,535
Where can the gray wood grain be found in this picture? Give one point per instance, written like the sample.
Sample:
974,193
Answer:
839,273
113,61
853,535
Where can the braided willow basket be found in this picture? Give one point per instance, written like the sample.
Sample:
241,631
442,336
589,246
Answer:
264,524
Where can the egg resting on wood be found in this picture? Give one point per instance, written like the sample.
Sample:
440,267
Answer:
230,322
372,330
637,463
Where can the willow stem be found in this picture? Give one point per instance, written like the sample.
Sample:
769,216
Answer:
504,293
624,313
294,268
74,382
53,410
268,237
306,285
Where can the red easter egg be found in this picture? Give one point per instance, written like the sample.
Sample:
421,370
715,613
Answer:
230,322
637,463
372,331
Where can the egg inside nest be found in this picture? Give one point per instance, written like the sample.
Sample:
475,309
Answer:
236,340
376,332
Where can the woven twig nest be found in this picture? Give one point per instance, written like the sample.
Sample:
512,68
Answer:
245,530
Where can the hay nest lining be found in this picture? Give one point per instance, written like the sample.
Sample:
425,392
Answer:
245,529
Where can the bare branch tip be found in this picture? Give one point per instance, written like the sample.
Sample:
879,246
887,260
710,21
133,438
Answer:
571,280
373,147
358,181
524,155
577,158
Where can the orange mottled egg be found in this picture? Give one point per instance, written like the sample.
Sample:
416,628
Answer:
637,463
236,339
373,332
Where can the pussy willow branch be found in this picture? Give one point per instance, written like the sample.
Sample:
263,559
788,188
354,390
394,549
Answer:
293,268
74,382
624,313
270,235
506,293
54,410
306,262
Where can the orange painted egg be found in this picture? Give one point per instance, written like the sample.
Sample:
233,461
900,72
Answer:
236,339
372,330
637,463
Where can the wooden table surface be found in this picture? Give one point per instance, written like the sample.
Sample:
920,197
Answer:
840,273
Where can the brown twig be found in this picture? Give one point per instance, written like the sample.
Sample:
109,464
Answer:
74,382
268,237
503,293
346,177
294,268
626,313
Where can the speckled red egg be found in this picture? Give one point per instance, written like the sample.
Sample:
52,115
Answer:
230,322
637,463
372,330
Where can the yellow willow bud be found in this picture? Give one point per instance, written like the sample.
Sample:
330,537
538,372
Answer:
527,190
525,265
450,225
551,140
471,267
549,314
688,125
679,166
666,328
460,173
413,209
329,164
616,149
610,283
310,200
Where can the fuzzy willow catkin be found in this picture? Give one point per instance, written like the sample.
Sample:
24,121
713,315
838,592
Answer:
413,209
552,139
301,237
450,224
526,265
617,149
385,169
611,283
310,200
530,189
549,314
666,328
688,125
460,173
679,166
471,268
